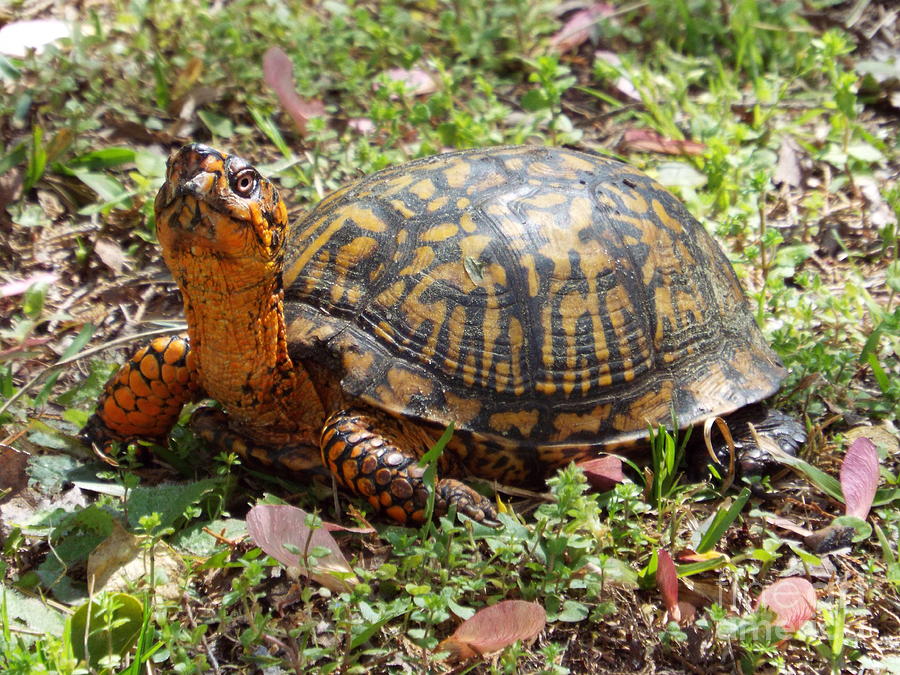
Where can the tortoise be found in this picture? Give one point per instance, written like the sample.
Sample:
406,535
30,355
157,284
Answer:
551,304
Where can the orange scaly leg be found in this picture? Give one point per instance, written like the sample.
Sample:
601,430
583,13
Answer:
144,398
376,456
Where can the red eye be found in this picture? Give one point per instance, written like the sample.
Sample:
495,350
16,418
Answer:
245,182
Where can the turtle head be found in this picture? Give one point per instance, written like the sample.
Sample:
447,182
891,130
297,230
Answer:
217,206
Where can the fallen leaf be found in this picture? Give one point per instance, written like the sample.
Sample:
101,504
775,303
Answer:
689,556
361,124
859,477
788,525
334,527
667,582
278,72
11,186
645,140
622,84
12,471
417,81
110,253
679,174
577,28
19,287
884,436
793,600
274,527
120,563
23,347
493,628
787,171
878,211
18,37
603,473
700,593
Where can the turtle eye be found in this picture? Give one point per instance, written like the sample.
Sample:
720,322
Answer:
245,181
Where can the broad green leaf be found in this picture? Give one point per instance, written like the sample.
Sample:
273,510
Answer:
101,159
169,501
108,625
30,613
217,124
722,521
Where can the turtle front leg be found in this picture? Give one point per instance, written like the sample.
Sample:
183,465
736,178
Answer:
377,457
144,398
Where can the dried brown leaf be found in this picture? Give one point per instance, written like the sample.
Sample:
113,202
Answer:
494,628
12,471
644,140
120,562
787,171
110,253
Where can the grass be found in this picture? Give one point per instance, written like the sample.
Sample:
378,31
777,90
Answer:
796,177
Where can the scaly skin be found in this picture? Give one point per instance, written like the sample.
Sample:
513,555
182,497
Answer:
144,398
224,249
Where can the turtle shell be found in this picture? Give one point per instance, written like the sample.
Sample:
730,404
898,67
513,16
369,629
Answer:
537,298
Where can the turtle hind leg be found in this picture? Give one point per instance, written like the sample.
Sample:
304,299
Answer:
212,426
377,457
786,431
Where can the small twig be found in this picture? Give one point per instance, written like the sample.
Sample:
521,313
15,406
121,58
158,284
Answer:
213,662
521,492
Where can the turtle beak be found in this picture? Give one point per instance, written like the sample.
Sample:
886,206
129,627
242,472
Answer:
192,171
198,186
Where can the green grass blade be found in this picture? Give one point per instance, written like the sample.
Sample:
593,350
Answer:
722,521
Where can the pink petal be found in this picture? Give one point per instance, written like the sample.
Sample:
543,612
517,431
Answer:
577,28
19,287
278,72
859,477
603,473
495,627
792,599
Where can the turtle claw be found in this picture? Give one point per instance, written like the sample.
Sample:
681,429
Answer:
451,492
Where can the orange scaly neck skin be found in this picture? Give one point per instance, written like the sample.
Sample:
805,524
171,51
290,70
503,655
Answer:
225,256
